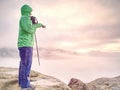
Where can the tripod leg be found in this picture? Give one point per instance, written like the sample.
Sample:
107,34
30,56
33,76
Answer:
37,49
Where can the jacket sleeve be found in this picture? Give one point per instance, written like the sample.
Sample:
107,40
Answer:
27,26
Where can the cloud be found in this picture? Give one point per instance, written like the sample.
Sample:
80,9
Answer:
110,4
103,54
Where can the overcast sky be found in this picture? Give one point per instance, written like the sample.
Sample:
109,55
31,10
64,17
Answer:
76,25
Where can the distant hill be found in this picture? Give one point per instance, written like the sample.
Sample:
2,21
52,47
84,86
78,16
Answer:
44,53
8,52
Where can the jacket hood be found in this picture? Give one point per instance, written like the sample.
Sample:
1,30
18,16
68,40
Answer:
26,10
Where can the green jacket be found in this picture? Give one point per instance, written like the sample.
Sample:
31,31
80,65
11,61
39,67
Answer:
26,28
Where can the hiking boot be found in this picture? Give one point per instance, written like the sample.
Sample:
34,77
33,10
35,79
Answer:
25,89
30,88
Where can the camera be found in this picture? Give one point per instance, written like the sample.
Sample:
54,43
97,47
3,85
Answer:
34,20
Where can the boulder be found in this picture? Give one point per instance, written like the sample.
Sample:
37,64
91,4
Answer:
76,84
9,81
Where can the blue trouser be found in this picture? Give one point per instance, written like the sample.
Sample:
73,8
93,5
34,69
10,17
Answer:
25,66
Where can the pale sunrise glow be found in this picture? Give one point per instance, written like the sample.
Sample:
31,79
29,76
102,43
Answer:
113,47
66,45
82,51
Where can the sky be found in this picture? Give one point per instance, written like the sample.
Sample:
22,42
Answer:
76,25
86,28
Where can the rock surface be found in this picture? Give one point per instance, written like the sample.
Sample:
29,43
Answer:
9,81
98,84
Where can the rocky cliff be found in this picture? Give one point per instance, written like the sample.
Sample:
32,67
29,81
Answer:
9,81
